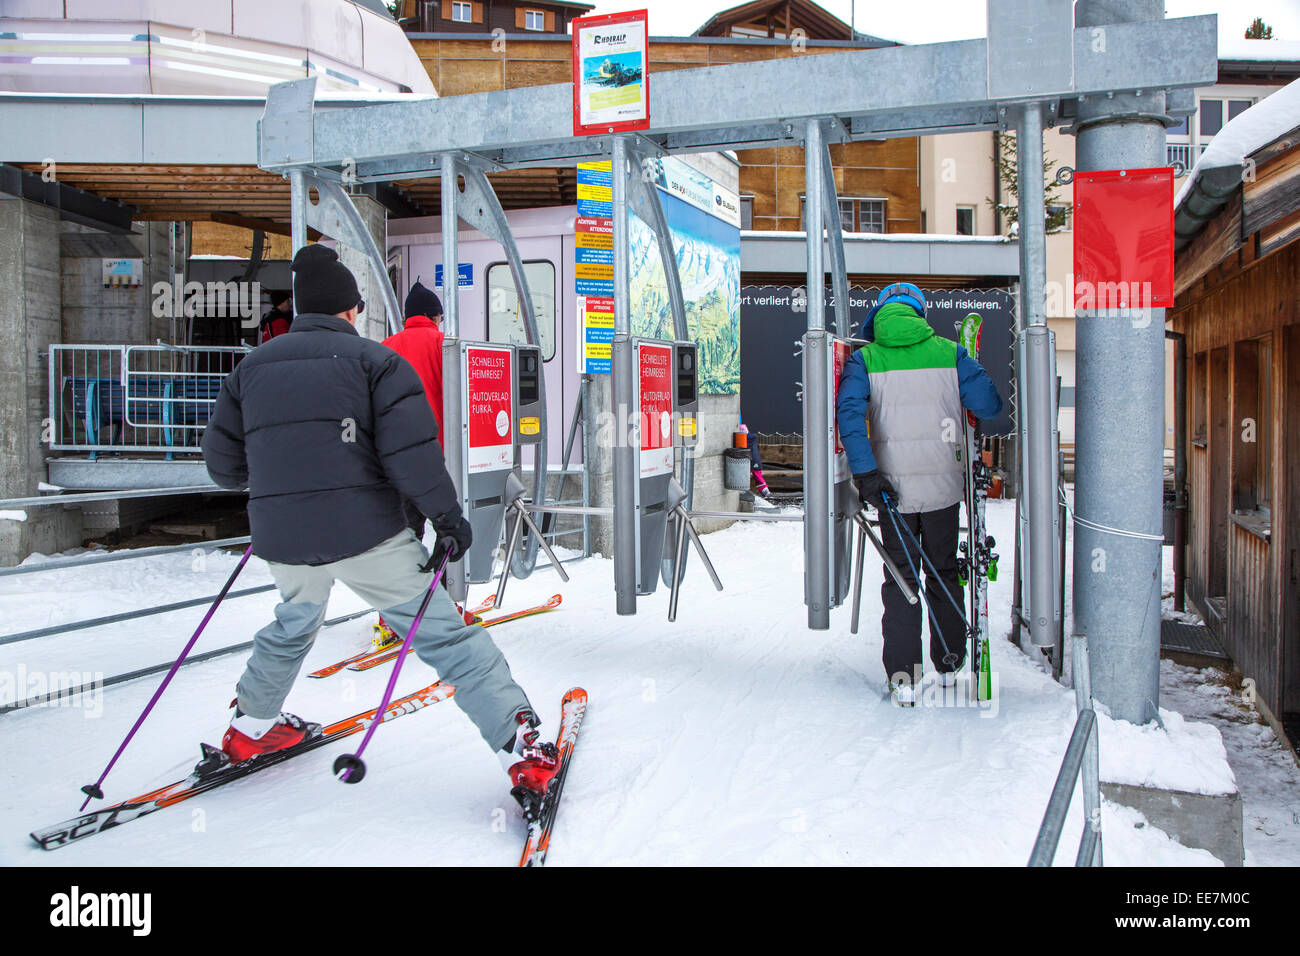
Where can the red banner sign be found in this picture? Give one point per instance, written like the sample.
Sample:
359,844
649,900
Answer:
655,377
1124,239
489,381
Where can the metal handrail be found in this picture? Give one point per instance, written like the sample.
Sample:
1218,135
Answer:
122,554
1081,758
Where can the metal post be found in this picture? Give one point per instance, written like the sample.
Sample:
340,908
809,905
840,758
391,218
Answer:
1091,757
453,426
1119,421
297,210
1037,403
679,556
626,513
512,542
859,559
1058,655
818,428
450,247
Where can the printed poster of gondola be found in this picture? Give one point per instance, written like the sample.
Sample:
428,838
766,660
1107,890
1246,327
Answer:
610,54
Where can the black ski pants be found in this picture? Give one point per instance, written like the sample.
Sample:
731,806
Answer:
901,624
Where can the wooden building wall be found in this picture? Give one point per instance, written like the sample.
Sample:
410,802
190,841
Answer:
774,177
1242,321
488,15
888,171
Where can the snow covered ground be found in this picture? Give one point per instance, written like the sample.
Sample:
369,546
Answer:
735,736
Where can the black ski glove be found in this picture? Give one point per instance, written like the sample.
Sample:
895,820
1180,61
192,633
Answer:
872,487
455,536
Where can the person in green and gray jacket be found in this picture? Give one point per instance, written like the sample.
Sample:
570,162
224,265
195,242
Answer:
899,409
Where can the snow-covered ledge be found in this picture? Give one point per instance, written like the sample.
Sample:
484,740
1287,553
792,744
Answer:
1176,774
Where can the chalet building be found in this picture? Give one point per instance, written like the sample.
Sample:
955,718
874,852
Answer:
779,19
879,183
1237,285
487,16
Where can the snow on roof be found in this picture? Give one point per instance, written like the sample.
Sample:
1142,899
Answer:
1240,48
1274,116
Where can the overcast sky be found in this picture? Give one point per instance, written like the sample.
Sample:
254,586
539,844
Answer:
934,21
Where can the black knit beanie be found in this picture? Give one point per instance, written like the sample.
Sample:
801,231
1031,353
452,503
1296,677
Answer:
422,301
321,283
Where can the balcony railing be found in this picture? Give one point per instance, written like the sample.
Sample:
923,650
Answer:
1183,156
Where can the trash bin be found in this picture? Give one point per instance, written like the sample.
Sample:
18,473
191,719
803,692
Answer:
735,472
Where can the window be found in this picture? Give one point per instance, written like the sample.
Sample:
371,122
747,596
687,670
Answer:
1237,107
871,215
847,209
965,220
746,212
462,12
856,215
1180,130
505,324
534,20
1211,117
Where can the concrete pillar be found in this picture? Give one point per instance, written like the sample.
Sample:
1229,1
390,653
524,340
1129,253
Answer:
1119,423
29,324
372,324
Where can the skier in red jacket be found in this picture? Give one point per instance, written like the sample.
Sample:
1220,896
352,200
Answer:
420,343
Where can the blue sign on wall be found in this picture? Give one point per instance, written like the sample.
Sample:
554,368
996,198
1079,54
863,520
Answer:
465,279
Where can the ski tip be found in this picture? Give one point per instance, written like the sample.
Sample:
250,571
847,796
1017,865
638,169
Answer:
575,693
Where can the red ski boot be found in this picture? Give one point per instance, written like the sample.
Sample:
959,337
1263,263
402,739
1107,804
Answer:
531,776
244,742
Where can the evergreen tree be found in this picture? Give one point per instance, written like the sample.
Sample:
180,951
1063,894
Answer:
1058,212
1259,30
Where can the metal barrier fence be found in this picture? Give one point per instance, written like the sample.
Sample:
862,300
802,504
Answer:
1081,757
134,398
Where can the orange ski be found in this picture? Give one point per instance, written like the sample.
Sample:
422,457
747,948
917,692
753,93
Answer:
383,658
88,824
388,646
572,709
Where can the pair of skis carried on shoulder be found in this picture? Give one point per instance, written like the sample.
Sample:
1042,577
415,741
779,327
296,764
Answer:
977,564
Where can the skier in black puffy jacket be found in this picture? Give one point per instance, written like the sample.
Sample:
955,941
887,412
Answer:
329,431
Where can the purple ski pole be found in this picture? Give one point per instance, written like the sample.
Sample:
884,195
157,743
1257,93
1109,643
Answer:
349,767
95,790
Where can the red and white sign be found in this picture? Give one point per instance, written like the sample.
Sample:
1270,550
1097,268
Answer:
489,380
655,394
611,53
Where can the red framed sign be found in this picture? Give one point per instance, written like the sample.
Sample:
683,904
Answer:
1124,239
489,409
610,56
655,399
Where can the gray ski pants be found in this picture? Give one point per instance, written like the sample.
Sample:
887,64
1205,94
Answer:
388,577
